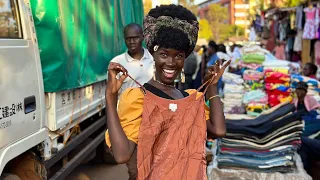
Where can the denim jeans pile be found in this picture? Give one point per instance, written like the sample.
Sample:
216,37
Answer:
264,144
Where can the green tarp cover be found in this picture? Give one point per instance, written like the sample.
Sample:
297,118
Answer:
78,38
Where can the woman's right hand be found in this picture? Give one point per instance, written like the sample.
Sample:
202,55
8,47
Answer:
113,83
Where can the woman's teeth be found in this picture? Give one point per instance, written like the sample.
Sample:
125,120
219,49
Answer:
169,73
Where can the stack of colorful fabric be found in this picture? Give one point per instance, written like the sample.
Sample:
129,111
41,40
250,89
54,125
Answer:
252,56
256,102
277,85
233,94
281,65
267,143
253,79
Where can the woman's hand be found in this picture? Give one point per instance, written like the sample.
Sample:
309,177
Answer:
113,83
216,70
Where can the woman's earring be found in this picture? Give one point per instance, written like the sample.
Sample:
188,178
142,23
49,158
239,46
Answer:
183,77
154,72
155,48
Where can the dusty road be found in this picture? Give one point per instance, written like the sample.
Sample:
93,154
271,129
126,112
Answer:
99,172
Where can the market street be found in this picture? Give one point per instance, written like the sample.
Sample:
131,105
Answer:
99,172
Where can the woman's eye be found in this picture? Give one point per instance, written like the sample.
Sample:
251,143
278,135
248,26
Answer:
164,55
179,56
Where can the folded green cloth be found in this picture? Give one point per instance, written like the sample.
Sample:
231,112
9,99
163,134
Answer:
253,58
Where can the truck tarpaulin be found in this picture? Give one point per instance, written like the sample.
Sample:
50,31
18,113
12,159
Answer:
78,38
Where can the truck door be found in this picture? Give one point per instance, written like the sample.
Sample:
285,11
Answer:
21,85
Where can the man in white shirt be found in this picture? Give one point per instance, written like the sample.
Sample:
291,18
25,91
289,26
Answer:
137,60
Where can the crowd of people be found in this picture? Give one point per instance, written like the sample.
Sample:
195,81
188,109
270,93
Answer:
163,101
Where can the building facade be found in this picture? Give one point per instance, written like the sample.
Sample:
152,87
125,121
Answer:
238,11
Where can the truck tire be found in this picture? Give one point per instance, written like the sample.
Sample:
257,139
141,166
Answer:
9,177
28,167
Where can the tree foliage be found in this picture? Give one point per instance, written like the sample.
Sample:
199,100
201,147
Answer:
216,25
218,18
205,30
147,6
189,4
292,3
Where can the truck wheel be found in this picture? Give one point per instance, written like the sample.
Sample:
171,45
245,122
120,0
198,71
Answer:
28,167
9,177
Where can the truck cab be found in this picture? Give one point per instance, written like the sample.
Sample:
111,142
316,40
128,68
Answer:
38,126
53,64
22,104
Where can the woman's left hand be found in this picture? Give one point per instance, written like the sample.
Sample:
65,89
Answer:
216,70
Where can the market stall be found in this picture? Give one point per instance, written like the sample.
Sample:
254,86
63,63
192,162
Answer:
263,127
293,32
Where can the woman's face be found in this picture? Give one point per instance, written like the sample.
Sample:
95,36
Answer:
169,63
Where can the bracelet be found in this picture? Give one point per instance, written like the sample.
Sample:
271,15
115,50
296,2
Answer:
213,97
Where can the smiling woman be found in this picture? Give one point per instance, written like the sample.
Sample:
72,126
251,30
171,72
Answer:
159,129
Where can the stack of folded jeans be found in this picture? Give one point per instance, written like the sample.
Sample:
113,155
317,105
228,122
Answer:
256,102
267,143
233,94
277,85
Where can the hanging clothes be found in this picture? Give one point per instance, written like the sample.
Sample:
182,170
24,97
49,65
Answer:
299,18
317,53
310,30
262,19
317,23
252,34
276,27
292,20
297,47
280,52
282,31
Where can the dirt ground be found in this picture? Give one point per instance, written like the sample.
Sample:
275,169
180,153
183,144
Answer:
100,172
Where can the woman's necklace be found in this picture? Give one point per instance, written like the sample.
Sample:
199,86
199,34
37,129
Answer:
172,86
